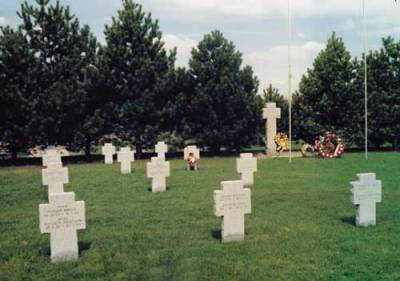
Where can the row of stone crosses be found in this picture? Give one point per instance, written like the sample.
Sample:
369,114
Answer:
63,216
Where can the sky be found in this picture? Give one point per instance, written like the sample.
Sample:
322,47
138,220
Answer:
258,28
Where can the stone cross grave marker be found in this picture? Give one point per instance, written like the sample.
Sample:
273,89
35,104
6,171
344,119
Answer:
125,157
271,113
161,149
366,192
232,202
158,169
62,217
246,166
108,150
51,156
55,176
196,153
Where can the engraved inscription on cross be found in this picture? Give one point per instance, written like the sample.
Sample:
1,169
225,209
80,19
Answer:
161,149
62,217
246,166
232,202
365,193
271,113
55,176
158,169
125,157
51,155
108,150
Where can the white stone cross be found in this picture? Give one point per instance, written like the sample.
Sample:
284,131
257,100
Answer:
51,155
366,192
158,169
125,157
246,166
161,149
55,176
271,113
232,202
108,150
62,217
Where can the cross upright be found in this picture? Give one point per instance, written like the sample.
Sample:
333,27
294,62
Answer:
246,166
51,155
125,157
196,154
108,150
232,202
366,192
55,176
161,149
158,169
271,113
62,217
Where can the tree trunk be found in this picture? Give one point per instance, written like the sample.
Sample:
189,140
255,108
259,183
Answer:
139,150
395,144
14,153
88,146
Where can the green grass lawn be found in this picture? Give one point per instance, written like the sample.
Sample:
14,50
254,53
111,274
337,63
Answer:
301,226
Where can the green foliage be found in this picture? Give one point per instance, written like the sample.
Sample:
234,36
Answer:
326,100
15,91
136,66
62,51
301,225
272,94
223,109
383,93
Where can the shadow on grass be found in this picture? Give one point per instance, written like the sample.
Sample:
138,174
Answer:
216,234
84,246
151,190
349,220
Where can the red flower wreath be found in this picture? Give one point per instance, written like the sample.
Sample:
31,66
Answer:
329,146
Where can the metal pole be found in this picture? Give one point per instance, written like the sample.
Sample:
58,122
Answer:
365,78
290,78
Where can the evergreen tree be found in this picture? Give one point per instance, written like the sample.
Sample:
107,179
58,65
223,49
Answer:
62,51
272,94
136,66
223,108
383,93
15,90
326,100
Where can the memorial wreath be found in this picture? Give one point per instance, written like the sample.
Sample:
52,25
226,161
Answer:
329,146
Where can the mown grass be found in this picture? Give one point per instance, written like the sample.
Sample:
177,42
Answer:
301,226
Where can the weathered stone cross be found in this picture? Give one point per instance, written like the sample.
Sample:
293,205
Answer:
108,150
366,192
158,169
232,202
125,157
271,113
62,217
51,155
55,176
161,149
246,166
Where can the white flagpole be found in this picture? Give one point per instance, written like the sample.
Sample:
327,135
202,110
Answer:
290,78
365,78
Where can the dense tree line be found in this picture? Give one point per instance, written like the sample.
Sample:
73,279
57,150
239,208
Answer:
59,86
331,95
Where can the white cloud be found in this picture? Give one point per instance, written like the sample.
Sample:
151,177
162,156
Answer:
2,20
272,66
279,7
184,45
